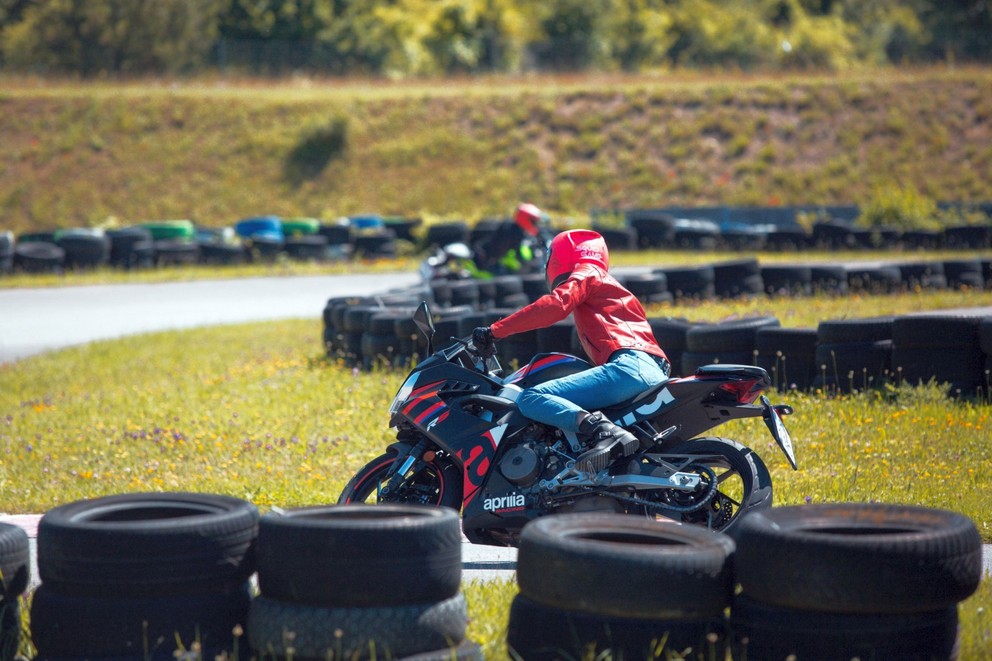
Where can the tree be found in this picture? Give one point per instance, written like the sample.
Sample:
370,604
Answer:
89,37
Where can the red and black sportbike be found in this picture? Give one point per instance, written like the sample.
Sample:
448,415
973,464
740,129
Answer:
462,443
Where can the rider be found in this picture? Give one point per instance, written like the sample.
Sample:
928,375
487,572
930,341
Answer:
509,248
615,334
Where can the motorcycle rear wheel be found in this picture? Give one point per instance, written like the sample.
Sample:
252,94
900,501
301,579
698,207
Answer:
438,484
743,479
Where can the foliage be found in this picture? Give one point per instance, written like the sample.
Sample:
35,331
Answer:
417,37
110,36
901,208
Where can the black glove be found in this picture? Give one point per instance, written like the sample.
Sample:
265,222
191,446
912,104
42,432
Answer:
484,341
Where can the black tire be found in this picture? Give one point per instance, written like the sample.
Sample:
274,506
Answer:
467,650
537,632
618,238
873,279
739,335
853,365
964,274
985,335
38,257
10,629
693,282
787,280
745,484
654,229
840,331
176,252
923,275
625,566
354,633
440,484
535,285
788,355
790,240
360,555
933,330
858,558
556,337
92,627
648,287
311,247
962,368
829,279
84,250
769,633
148,545
441,234
221,253
15,561
737,278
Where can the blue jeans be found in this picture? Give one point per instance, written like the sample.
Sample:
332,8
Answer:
560,401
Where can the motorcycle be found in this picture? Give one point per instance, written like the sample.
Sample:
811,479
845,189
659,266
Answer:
462,443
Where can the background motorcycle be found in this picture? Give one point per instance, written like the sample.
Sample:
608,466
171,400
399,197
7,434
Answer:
462,443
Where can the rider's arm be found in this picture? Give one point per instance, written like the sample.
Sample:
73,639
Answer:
546,310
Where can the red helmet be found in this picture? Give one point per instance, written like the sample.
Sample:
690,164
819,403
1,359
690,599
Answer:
527,217
572,247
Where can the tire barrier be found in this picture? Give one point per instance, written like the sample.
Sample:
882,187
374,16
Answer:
842,355
126,575
365,582
136,576
811,585
621,585
15,575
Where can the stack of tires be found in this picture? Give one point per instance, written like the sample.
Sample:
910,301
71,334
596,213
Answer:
985,343
84,248
15,575
596,585
362,582
731,342
738,278
174,242
38,253
690,282
945,348
263,237
788,355
852,581
853,354
132,576
6,252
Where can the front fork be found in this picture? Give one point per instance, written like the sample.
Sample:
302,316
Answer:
406,465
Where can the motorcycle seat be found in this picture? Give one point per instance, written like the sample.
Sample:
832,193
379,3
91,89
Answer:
729,370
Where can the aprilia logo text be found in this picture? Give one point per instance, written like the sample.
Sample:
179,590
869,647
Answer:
511,501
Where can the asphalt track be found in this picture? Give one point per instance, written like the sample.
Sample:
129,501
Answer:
33,321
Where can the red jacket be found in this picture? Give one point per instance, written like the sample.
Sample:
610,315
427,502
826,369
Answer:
607,316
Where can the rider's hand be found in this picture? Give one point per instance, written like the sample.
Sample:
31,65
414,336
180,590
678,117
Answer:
484,341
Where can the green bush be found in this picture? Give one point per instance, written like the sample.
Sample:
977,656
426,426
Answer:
903,208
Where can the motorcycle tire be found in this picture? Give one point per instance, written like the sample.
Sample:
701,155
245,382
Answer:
745,484
543,633
359,555
354,633
762,632
147,545
859,558
439,485
625,566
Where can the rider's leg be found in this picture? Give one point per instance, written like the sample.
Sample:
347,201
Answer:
565,403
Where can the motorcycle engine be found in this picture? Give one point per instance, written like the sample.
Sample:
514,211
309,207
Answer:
521,465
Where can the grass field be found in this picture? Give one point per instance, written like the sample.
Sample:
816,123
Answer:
256,411
215,150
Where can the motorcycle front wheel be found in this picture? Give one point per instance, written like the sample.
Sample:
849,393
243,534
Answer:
438,484
743,482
